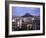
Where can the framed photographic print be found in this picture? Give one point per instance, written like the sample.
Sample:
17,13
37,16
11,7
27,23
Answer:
24,18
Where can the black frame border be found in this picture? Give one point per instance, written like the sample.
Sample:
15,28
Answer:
7,18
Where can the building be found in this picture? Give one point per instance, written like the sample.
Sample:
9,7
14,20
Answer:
26,22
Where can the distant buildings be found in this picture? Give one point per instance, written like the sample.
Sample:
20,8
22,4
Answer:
26,22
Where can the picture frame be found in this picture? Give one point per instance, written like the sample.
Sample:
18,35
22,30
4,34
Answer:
10,6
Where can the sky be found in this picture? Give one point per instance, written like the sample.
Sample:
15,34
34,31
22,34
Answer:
21,11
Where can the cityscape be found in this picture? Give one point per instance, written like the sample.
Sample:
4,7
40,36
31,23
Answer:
26,21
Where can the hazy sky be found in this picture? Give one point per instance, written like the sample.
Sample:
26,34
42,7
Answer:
21,11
